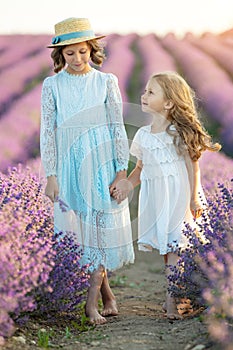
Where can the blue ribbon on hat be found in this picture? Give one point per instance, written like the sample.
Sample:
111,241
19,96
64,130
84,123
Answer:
74,35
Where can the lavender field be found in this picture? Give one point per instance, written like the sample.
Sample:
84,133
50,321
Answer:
206,63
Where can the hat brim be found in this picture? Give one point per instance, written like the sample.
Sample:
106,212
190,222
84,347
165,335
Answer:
76,41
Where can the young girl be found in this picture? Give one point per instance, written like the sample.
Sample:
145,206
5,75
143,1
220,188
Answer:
167,169
84,151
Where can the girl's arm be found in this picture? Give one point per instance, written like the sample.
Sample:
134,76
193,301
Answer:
134,176
194,180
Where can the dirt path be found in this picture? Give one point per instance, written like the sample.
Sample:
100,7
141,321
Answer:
141,324
140,291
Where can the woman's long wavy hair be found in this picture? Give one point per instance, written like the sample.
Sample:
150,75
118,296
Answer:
183,115
97,55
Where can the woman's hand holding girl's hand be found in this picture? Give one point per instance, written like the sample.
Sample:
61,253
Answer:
196,208
121,175
121,192
51,189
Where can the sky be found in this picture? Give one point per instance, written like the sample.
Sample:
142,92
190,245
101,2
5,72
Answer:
119,16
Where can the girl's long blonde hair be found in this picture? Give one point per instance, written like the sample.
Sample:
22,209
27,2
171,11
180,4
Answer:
183,115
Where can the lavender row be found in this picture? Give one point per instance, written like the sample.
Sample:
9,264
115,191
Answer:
213,85
163,60
215,167
7,41
120,61
213,46
40,271
204,273
26,46
153,56
14,81
19,129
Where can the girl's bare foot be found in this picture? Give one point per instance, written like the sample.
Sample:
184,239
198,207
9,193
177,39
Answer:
172,311
164,307
184,306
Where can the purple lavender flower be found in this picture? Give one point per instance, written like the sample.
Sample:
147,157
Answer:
205,271
39,270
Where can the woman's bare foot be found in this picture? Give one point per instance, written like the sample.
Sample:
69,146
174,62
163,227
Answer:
91,307
94,316
109,300
172,311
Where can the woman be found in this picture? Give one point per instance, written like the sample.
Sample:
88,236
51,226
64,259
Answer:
84,150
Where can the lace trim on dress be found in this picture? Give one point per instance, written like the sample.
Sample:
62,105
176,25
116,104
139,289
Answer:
153,147
77,75
47,130
116,124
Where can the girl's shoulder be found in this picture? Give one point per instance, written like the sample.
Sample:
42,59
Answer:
143,130
107,76
146,129
148,140
141,133
50,80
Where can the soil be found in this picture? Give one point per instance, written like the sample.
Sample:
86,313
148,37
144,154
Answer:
140,325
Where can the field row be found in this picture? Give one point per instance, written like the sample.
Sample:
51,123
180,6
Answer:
25,61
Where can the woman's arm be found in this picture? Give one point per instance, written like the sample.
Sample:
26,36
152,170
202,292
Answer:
114,110
51,189
47,140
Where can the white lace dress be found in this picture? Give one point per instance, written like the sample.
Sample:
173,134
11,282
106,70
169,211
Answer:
164,199
84,143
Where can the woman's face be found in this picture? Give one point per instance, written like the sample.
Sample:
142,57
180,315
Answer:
77,58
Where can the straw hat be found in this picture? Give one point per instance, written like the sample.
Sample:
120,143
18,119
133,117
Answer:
73,30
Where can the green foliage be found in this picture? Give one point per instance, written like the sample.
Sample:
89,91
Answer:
67,333
43,338
119,281
134,89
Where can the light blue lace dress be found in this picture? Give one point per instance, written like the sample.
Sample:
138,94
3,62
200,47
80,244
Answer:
84,143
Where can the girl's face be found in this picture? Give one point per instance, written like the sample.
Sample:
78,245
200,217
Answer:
77,58
152,100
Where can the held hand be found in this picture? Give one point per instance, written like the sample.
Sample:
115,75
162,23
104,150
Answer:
51,189
196,208
121,175
122,190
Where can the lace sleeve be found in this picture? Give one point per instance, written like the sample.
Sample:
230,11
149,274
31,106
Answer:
135,148
47,130
116,124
